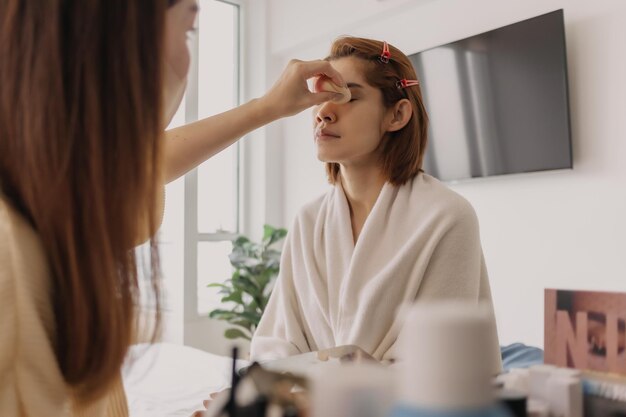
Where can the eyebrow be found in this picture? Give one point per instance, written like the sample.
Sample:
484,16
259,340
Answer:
354,85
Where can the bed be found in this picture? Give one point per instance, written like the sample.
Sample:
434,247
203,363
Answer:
168,380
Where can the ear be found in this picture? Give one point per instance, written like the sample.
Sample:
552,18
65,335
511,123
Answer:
399,114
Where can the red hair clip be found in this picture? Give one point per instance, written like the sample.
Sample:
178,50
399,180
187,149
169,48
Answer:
404,83
386,55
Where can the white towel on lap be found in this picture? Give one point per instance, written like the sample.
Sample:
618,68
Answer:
420,242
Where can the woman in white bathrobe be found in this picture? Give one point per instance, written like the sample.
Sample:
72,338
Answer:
385,234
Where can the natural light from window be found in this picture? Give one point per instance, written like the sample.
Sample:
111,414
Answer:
218,191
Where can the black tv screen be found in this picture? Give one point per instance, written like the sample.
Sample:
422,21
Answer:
498,101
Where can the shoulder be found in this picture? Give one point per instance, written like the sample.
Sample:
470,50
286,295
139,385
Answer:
309,212
25,280
8,290
14,236
27,356
22,257
26,318
15,230
429,192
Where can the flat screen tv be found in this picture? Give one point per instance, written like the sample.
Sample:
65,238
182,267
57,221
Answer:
498,101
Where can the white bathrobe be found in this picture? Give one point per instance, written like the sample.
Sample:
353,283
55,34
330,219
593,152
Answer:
420,242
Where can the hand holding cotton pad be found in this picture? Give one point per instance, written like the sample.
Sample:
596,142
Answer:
325,84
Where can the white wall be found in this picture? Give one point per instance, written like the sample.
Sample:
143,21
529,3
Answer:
561,229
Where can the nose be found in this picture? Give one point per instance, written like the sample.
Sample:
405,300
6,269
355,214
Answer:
325,113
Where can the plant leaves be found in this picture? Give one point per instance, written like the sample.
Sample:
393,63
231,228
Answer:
242,260
217,285
272,235
267,232
222,314
235,334
245,284
253,318
233,316
278,235
243,323
264,279
255,267
240,241
234,297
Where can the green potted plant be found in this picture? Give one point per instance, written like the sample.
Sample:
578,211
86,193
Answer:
255,266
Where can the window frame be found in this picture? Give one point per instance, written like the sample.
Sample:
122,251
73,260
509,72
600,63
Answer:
192,236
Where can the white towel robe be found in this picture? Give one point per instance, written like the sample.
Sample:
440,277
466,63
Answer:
420,242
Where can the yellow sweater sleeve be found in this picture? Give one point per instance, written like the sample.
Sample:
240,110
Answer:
113,405
31,382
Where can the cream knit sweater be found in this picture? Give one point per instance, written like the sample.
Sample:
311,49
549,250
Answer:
31,383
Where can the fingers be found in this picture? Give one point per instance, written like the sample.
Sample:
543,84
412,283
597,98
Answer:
198,414
313,68
212,397
290,94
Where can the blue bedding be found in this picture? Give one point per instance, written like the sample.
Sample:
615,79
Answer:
518,355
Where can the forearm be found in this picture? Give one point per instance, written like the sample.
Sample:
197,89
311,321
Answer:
188,146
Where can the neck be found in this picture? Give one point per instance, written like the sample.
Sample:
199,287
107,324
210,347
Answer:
361,185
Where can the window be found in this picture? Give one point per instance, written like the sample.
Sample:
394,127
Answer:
211,192
202,209
212,195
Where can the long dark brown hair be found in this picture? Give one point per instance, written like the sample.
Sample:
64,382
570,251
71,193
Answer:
401,152
80,158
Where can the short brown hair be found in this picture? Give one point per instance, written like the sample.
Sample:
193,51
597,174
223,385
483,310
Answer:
401,152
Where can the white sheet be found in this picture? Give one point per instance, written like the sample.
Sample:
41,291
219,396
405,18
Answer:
167,380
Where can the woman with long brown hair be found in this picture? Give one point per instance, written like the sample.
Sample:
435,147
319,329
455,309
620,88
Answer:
86,89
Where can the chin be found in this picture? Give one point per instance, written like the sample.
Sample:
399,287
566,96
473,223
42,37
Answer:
325,154
325,157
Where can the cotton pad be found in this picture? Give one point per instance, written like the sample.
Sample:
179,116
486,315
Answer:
326,84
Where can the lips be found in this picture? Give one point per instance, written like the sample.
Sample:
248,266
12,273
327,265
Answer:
325,134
